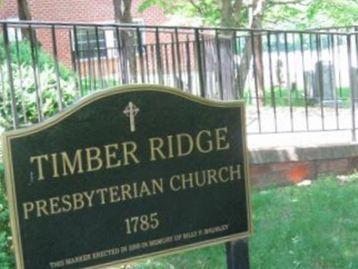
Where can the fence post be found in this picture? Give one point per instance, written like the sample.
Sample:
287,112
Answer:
237,254
15,120
351,83
200,63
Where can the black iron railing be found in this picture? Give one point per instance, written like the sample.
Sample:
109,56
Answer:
292,81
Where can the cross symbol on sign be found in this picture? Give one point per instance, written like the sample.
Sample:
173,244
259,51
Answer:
131,111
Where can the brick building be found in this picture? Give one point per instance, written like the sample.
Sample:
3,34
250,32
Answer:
79,11
93,11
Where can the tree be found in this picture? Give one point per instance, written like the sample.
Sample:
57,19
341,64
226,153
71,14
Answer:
258,14
24,14
122,14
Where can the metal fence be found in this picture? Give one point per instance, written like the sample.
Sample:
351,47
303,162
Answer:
291,81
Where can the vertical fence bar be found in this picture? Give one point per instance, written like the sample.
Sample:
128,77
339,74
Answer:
333,77
57,68
272,88
177,45
78,58
200,63
174,72
166,61
188,63
122,72
15,121
159,56
288,77
33,45
320,78
91,69
99,63
219,66
23,105
304,79
351,83
140,52
154,67
258,101
147,67
237,94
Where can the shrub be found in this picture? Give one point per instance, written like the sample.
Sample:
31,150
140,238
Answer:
26,95
6,254
21,54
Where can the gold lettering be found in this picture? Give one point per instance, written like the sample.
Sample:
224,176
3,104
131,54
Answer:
221,171
111,155
38,159
129,149
76,163
180,142
171,183
66,201
209,142
156,148
211,176
54,206
199,178
170,146
28,207
93,155
186,180
41,208
125,190
237,172
89,197
54,165
221,139
78,202
157,185
101,192
113,194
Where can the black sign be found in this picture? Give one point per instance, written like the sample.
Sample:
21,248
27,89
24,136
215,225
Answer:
125,174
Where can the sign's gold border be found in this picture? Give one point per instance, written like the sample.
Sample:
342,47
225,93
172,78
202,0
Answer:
9,169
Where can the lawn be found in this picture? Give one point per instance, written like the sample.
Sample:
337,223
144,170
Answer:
306,227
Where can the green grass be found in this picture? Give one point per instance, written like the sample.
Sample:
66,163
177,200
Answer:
311,227
308,227
283,97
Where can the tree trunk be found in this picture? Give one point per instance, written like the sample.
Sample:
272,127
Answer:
253,47
122,14
24,15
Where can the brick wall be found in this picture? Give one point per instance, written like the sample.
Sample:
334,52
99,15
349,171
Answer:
75,11
293,165
8,9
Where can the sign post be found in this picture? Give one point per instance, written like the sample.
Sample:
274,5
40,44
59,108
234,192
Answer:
126,174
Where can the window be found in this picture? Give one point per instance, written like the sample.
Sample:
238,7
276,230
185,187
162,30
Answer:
87,44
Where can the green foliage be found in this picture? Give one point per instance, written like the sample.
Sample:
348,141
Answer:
26,95
22,54
207,10
277,14
6,255
312,14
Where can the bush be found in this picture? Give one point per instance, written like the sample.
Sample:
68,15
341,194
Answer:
25,86
26,96
21,54
6,254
